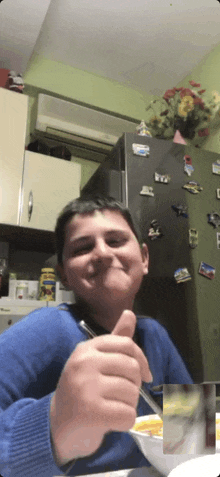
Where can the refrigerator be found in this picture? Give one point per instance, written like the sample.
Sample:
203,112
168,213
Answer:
180,227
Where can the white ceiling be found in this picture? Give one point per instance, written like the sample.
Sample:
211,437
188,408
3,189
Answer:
149,45
20,25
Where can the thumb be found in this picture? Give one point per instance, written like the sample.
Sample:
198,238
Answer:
125,325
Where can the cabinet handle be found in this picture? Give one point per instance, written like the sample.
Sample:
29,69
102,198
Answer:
30,206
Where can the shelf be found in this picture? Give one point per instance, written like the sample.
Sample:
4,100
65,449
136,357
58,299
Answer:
27,238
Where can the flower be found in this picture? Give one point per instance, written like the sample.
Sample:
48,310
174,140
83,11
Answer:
203,132
170,93
155,120
196,85
185,110
186,92
185,106
199,102
216,96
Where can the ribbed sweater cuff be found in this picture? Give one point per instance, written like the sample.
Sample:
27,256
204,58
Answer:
31,452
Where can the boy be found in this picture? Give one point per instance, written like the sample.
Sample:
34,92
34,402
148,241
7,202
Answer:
65,400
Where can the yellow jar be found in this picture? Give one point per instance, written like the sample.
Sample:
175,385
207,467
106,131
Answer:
47,284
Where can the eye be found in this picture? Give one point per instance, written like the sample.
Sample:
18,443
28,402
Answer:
116,241
82,250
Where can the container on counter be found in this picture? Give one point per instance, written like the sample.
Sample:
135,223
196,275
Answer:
33,289
21,290
12,285
47,284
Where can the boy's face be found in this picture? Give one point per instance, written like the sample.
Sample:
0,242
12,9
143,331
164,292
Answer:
102,259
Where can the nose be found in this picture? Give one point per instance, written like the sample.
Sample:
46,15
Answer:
102,251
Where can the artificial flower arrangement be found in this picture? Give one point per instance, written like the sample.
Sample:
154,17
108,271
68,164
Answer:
185,110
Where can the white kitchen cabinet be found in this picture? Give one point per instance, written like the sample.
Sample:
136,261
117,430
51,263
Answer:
13,107
49,184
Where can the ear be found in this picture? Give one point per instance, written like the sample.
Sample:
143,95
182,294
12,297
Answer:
145,258
61,274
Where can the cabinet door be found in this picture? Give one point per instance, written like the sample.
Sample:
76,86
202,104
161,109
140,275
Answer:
13,107
53,183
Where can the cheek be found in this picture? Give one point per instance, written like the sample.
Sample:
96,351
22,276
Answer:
75,267
135,256
137,264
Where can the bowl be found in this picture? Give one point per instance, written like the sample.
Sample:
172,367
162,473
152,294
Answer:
152,447
207,465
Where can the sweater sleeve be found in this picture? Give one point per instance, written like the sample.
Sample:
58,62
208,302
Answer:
27,352
25,446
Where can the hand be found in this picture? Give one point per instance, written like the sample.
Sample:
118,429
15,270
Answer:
98,391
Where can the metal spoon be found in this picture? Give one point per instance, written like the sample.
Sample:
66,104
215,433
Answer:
146,396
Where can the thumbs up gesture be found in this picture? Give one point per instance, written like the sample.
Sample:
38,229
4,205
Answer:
98,391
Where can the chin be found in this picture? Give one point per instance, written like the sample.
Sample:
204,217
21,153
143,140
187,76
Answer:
112,297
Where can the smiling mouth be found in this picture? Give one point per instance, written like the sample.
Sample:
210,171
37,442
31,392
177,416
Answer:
103,271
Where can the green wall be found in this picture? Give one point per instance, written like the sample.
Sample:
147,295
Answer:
74,84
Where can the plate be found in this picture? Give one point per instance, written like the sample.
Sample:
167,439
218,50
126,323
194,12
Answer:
206,466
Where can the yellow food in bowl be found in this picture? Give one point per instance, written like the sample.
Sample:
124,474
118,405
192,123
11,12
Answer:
153,427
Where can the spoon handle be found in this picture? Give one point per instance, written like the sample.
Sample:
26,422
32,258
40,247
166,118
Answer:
150,401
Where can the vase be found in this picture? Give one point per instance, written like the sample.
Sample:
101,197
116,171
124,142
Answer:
186,128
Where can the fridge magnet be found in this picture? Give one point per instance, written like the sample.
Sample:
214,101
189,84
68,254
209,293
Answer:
193,238
155,230
142,129
180,210
218,240
188,167
182,275
188,159
218,193
165,179
193,187
214,219
147,190
216,167
140,150
207,270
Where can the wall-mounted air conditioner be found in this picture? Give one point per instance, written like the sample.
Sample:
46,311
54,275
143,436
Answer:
76,124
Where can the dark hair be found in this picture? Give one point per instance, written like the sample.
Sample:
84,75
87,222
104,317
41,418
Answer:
88,205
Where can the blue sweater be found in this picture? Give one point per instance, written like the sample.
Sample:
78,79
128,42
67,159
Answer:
33,353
